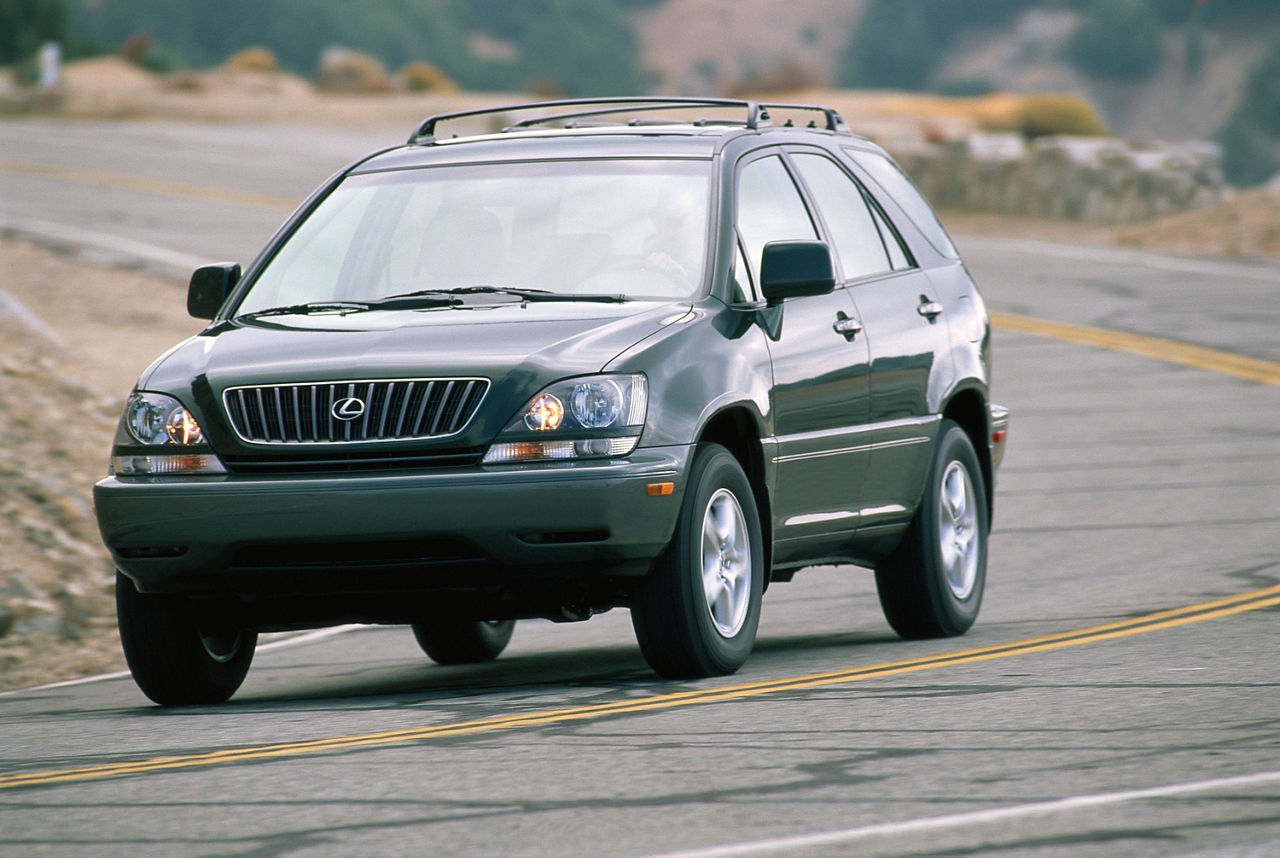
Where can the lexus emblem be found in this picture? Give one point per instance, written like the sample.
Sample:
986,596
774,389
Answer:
347,409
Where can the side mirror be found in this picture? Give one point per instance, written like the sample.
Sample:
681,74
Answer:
793,269
209,288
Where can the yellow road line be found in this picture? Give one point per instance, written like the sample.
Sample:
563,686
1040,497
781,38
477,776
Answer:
1214,360
1229,606
154,186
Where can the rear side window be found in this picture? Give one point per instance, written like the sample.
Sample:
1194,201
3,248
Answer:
895,182
892,241
858,243
770,207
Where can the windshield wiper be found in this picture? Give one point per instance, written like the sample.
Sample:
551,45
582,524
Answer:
522,294
428,298
400,302
310,307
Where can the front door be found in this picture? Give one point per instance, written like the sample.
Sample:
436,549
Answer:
821,375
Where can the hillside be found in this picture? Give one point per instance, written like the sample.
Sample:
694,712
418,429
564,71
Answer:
1029,56
696,46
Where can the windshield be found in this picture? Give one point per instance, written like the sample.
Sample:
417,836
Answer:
622,227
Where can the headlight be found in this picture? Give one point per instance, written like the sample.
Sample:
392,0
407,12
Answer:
156,420
597,403
594,416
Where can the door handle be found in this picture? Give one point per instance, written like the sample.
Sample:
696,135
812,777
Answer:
845,326
931,310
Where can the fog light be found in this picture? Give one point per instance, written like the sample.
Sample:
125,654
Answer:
166,465
533,451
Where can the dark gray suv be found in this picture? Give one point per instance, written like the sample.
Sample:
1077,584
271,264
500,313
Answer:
645,353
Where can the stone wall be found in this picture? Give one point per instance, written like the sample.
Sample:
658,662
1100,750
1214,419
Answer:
1101,180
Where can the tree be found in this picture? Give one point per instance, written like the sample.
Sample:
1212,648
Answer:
896,45
1250,138
1117,39
899,43
577,47
27,24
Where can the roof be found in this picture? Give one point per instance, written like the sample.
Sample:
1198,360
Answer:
600,127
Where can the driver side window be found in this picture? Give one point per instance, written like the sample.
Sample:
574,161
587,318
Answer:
770,208
744,286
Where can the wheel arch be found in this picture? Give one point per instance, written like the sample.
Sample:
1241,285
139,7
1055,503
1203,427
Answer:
968,408
736,428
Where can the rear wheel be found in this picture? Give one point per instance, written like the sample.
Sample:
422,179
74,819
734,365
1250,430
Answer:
696,612
931,586
463,641
176,657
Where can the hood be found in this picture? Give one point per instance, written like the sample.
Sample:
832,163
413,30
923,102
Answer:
520,348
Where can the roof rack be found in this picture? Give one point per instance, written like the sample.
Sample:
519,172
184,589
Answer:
757,113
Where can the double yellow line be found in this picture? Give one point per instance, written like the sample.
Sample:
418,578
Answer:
1253,601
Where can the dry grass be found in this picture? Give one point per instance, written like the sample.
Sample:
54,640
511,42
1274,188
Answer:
1245,224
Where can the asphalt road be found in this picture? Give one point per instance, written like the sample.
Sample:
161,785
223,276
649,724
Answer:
1118,695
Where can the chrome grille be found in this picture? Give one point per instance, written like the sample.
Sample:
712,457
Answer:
393,410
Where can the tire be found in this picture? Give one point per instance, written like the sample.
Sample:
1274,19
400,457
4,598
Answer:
696,612
173,659
463,641
931,586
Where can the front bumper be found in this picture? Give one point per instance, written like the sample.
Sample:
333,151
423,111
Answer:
244,535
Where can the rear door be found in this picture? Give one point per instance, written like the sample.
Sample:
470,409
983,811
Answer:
903,330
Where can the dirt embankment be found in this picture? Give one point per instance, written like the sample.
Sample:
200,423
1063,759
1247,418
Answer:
73,338
1246,224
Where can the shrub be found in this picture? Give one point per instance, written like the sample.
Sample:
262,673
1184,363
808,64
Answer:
142,51
344,70
134,48
255,59
424,77
1059,113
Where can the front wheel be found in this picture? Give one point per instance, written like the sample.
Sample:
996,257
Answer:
931,586
696,612
177,658
463,641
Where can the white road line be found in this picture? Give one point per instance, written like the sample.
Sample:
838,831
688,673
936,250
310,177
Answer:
979,817
291,640
116,244
11,306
